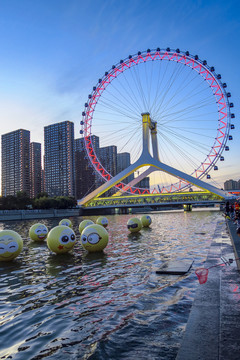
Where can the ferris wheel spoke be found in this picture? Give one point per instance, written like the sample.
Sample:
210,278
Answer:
148,77
185,99
150,90
126,104
183,112
198,105
103,122
107,118
197,143
127,141
186,146
135,150
167,178
182,86
117,110
196,118
173,77
138,84
180,151
181,89
201,134
112,105
129,98
111,114
119,134
158,90
188,96
130,87
194,150
163,79
117,105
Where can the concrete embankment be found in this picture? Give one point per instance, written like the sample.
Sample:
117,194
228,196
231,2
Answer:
213,327
6,215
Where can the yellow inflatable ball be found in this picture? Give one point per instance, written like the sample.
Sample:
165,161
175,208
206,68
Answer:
94,238
38,232
102,220
11,245
134,224
66,222
84,224
61,239
146,220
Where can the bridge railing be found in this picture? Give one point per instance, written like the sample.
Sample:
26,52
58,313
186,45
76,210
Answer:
154,199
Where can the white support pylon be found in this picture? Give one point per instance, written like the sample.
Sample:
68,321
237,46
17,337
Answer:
154,163
133,182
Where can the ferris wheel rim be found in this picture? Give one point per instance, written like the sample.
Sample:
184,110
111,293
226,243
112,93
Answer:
185,58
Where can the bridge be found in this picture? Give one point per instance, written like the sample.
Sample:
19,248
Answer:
154,200
207,194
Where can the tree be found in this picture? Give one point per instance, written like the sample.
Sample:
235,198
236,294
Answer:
41,194
23,200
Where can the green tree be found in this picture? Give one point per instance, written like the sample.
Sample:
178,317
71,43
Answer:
23,201
41,194
9,202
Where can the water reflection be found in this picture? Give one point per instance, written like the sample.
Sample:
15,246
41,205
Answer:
102,305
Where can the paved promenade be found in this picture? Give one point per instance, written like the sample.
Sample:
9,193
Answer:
213,328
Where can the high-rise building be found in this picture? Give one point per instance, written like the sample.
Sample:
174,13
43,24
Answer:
95,144
123,161
230,185
144,183
108,158
43,181
35,169
43,177
16,162
59,159
85,176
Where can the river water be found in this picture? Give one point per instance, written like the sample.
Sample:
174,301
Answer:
110,305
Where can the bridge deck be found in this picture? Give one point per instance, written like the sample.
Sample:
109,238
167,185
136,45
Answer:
196,197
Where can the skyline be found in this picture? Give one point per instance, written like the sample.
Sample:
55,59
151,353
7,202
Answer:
53,54
63,124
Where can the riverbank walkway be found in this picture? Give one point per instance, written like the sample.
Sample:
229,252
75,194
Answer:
213,328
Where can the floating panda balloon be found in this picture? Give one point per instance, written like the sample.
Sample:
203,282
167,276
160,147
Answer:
11,245
38,232
94,238
102,220
84,224
146,220
61,239
134,225
66,222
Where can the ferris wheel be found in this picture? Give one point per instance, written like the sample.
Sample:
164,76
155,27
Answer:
183,95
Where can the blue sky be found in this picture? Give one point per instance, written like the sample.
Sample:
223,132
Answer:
54,51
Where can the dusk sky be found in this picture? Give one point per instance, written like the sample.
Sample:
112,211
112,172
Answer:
54,51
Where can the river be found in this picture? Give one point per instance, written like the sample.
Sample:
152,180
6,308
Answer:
109,305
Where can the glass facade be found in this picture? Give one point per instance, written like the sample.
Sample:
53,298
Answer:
123,161
16,162
59,159
35,169
86,179
108,158
231,185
